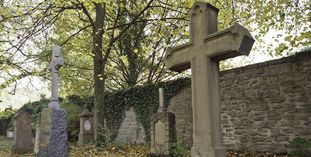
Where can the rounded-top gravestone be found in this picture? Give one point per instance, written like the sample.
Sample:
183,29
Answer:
22,142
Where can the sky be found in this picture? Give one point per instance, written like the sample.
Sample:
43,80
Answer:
29,89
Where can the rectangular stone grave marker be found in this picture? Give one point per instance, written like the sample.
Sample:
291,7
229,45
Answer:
52,136
163,133
22,142
159,126
202,54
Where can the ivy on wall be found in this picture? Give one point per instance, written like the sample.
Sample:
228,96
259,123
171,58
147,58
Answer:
144,100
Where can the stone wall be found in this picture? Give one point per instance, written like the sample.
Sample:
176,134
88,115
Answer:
263,106
180,105
131,131
266,105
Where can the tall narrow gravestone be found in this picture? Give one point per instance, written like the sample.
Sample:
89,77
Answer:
163,131
86,134
22,142
203,53
53,125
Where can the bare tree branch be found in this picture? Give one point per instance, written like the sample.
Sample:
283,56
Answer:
74,34
86,12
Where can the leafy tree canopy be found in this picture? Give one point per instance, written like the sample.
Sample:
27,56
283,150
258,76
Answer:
28,29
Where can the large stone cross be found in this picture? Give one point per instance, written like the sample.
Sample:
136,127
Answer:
54,66
202,54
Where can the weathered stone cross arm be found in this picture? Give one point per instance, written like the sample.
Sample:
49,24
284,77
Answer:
54,66
228,43
57,60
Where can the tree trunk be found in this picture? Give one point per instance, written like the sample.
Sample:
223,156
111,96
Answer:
99,78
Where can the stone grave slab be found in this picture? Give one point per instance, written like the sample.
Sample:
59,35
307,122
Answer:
22,142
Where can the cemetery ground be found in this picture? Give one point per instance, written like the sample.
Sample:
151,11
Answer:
87,150
119,151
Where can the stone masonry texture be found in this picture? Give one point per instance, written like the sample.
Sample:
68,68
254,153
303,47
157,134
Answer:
131,131
263,106
180,105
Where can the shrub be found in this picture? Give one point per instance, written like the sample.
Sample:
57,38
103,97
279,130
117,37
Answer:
6,120
300,147
179,149
73,119
34,108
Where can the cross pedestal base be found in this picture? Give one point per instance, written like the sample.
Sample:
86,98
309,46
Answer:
197,151
53,133
54,105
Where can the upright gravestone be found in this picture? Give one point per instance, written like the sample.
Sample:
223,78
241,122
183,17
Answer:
37,137
203,53
163,132
53,125
10,133
86,134
22,142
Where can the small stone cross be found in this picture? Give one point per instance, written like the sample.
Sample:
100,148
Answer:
54,66
206,47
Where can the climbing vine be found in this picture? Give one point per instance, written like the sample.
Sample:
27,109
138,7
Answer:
144,100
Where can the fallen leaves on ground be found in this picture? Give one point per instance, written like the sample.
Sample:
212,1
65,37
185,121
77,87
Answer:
117,151
253,154
113,151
